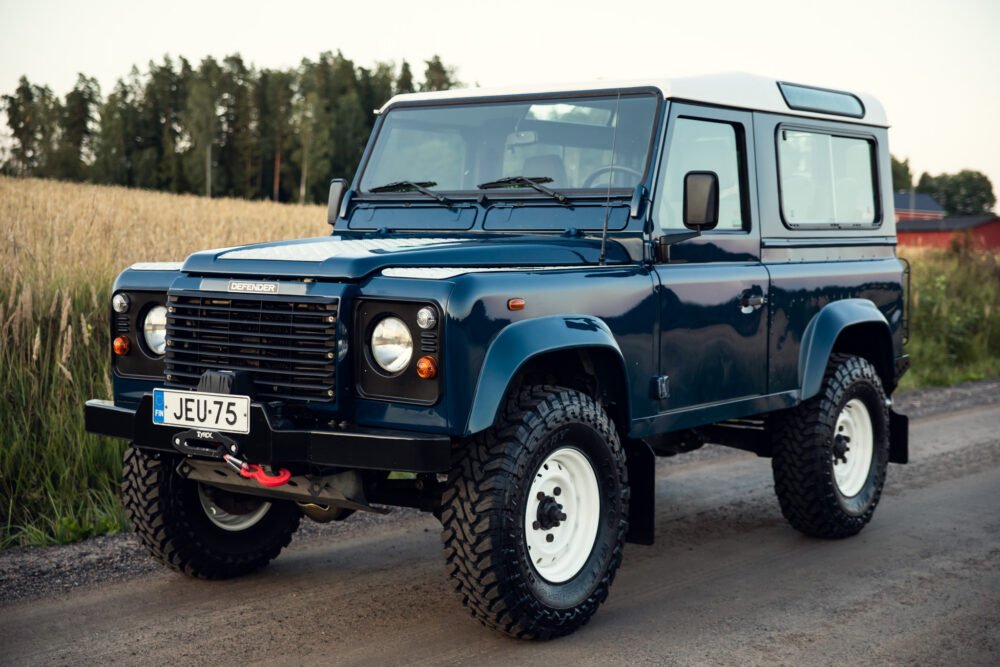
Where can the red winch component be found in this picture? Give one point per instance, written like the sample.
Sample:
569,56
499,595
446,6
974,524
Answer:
254,471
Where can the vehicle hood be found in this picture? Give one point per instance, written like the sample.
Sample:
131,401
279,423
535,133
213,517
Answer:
353,258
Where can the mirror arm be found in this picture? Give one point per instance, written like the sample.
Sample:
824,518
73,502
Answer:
671,238
344,203
664,242
638,197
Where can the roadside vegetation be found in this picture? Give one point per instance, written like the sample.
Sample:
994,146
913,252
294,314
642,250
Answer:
61,246
955,315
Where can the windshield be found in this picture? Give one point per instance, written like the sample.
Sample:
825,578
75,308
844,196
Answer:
585,143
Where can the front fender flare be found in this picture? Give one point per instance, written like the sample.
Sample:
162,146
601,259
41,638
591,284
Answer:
821,335
521,341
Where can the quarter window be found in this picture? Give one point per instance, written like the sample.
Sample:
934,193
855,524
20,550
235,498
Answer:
826,179
700,145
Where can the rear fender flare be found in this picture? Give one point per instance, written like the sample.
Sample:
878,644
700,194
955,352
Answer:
822,332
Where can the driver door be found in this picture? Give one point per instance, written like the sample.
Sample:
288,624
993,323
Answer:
713,288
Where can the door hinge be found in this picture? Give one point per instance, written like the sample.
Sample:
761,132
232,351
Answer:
661,387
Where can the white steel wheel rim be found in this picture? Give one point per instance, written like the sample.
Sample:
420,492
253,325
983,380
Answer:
565,478
226,520
854,425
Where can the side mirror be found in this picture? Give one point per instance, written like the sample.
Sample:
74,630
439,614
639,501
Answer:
701,200
338,187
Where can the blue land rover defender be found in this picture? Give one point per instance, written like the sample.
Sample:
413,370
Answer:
527,296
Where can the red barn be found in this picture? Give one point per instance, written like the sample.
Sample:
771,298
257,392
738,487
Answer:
984,231
916,206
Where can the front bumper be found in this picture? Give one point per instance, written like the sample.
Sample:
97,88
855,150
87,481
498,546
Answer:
373,449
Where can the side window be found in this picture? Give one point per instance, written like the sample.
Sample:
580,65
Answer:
826,179
701,145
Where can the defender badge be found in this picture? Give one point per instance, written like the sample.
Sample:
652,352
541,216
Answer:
257,287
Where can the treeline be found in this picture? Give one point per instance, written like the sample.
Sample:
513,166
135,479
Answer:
967,192
219,129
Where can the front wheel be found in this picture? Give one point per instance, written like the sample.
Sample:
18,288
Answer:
535,514
830,453
200,530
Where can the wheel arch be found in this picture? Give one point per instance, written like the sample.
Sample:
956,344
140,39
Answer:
849,326
576,351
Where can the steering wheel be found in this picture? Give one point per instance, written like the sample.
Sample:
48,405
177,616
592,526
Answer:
597,173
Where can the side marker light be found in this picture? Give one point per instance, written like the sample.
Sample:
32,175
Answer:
515,304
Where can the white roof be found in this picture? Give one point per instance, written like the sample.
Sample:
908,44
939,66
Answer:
744,91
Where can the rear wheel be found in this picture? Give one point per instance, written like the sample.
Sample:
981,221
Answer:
197,529
535,514
830,453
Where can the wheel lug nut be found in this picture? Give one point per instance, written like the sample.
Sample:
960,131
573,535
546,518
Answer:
556,491
535,525
541,495
549,537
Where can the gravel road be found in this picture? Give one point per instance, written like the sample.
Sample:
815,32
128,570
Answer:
727,582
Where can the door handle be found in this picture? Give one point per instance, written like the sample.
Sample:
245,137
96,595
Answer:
750,302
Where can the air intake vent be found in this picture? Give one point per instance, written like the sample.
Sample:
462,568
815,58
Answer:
288,347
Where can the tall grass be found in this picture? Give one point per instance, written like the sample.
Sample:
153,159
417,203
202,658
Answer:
955,315
61,246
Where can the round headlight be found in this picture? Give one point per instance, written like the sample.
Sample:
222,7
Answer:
392,344
120,303
426,318
154,330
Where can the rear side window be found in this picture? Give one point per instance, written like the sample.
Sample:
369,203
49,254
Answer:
826,179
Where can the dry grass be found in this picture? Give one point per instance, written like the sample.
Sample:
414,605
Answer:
61,234
61,245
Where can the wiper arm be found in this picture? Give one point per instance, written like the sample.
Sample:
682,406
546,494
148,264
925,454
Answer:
534,182
412,186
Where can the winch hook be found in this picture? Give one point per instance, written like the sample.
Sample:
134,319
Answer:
254,471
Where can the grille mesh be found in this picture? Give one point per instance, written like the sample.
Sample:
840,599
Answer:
289,347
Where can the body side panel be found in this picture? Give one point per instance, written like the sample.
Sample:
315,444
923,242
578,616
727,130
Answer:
621,312
814,268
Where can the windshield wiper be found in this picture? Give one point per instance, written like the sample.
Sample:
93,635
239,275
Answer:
412,186
534,182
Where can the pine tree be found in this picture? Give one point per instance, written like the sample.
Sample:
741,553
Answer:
114,146
238,139
202,122
75,150
438,76
23,123
404,82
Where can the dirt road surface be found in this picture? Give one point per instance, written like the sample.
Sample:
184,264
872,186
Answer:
728,582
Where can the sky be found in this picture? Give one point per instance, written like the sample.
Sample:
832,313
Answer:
934,65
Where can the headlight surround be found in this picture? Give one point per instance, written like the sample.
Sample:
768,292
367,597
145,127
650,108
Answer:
392,344
154,330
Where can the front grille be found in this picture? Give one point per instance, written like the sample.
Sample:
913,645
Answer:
289,347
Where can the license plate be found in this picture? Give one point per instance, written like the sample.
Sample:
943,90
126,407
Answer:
198,409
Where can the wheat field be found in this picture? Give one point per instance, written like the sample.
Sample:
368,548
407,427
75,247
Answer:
61,245
57,234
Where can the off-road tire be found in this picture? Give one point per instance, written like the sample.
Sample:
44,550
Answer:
802,447
483,508
168,517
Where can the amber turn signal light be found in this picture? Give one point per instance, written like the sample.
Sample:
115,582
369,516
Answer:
427,367
515,304
121,346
